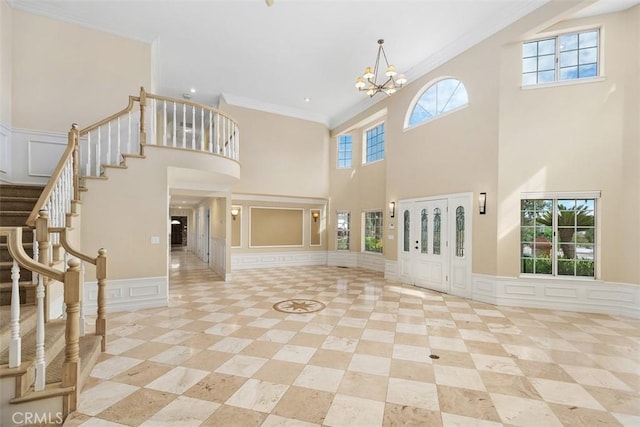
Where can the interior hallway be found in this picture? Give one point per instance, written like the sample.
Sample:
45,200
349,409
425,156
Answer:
377,353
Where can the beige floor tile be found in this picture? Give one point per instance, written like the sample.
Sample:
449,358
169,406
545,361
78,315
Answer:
513,385
409,370
208,360
403,415
304,404
137,407
279,371
331,358
363,385
468,403
354,411
215,387
573,416
142,374
183,411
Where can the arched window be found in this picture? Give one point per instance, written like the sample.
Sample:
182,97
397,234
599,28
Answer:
441,97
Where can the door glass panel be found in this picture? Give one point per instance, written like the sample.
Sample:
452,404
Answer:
436,231
407,227
424,232
460,231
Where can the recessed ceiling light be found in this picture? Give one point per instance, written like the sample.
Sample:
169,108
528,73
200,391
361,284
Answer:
307,99
192,90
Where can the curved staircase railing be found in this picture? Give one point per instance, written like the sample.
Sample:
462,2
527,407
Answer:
147,120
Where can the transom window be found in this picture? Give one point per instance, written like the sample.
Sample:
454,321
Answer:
374,144
558,237
342,231
344,151
565,57
441,97
372,234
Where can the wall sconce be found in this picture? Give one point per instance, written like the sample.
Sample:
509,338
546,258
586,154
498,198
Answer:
392,209
234,213
315,215
482,203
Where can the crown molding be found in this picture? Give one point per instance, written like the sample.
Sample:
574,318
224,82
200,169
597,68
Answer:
254,104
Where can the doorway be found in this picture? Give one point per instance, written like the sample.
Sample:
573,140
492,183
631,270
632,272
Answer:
179,231
434,248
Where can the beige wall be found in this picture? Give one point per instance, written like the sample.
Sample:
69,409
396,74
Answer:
281,155
275,227
509,140
65,73
244,222
579,137
6,37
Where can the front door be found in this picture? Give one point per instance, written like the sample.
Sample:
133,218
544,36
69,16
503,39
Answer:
434,243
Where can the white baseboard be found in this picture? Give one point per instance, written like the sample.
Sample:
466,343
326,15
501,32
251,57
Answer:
128,294
243,261
373,262
616,299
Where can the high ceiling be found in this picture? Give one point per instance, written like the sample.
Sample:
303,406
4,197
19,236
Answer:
273,58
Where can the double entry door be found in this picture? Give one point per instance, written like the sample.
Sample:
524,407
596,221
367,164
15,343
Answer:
434,243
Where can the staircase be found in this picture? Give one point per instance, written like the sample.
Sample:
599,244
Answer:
20,403
16,204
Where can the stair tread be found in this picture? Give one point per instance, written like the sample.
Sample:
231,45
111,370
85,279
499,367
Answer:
87,343
54,329
26,311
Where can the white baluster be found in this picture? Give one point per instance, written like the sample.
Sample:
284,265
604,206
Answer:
202,129
118,150
89,154
40,362
36,252
129,134
224,135
210,131
82,322
175,125
184,126
15,347
164,123
217,133
193,127
108,162
98,152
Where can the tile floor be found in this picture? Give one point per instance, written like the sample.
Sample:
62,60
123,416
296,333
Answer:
380,353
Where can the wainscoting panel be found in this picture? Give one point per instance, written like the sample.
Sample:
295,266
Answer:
277,259
35,154
616,299
5,152
128,294
217,256
342,259
390,270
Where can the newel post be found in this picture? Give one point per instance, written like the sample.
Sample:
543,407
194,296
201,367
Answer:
143,132
42,236
74,139
101,275
71,365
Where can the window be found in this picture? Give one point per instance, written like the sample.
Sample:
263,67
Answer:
374,144
557,237
344,151
342,230
372,225
439,98
436,231
565,57
460,231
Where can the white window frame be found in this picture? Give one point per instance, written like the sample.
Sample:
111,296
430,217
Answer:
419,95
556,36
363,230
338,213
364,143
339,150
555,196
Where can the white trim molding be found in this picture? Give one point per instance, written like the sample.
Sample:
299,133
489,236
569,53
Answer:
243,261
5,152
128,294
34,154
616,299
374,262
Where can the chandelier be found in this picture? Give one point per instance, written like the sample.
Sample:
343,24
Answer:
368,82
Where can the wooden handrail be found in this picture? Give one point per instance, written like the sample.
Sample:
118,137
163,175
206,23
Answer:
55,176
17,252
67,246
96,125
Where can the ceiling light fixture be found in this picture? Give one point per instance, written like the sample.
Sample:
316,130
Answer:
269,3
370,76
